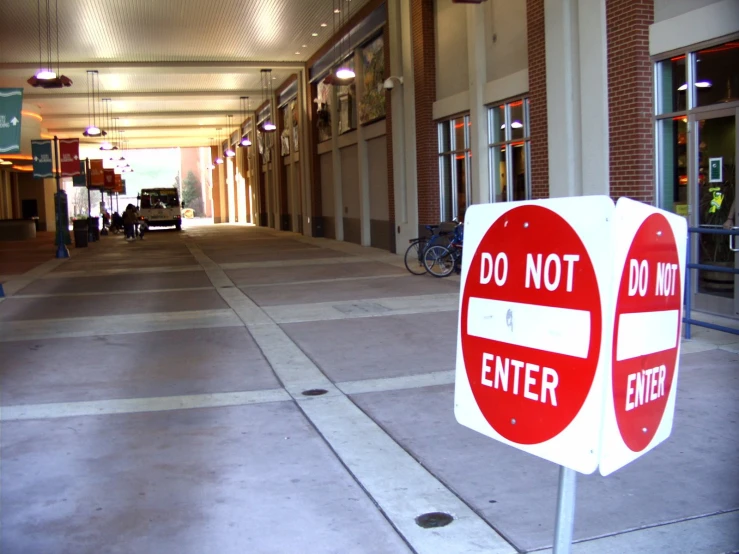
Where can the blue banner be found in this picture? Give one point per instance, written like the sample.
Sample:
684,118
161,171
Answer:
42,161
81,179
11,102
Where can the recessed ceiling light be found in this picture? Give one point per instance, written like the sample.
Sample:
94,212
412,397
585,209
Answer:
324,24
314,34
297,53
337,10
305,46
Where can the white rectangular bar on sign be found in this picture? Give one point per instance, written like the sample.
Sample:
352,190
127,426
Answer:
558,330
642,333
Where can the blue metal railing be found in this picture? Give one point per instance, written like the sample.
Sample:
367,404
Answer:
687,320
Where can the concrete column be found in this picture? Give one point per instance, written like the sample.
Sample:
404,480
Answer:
476,53
577,96
404,123
336,161
230,180
306,159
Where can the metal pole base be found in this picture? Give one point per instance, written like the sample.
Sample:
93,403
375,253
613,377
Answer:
62,251
565,522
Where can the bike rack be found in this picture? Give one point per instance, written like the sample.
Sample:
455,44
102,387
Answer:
687,320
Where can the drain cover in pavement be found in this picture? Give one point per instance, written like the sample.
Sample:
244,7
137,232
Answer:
433,519
314,392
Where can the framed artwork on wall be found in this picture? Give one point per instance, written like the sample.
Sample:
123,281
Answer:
372,106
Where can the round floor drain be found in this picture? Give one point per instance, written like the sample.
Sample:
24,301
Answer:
314,392
433,519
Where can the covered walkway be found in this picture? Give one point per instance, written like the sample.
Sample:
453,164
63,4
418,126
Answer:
153,400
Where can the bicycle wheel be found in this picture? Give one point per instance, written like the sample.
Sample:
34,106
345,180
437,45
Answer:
414,257
439,261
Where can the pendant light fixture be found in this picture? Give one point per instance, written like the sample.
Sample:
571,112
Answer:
92,129
344,71
46,77
228,152
244,105
107,145
267,125
218,160
210,166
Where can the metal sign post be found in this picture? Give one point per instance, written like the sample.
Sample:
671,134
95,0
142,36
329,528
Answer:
61,204
564,523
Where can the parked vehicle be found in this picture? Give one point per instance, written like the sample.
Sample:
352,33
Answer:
161,207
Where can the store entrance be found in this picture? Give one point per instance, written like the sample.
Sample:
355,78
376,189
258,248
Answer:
715,199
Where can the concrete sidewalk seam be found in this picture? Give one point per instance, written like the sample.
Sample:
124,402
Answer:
356,438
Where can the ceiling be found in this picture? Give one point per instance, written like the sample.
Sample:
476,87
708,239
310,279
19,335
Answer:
173,69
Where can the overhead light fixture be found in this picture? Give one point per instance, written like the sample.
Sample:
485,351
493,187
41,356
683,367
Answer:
228,152
516,124
244,106
699,84
107,145
267,125
46,77
6,162
92,129
322,25
344,72
313,35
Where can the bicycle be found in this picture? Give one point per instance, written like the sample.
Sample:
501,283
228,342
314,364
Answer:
441,261
413,258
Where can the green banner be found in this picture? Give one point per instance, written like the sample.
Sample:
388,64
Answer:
42,161
11,102
81,179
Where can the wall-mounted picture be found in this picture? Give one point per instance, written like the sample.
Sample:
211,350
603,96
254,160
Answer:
260,142
294,111
286,116
323,111
372,106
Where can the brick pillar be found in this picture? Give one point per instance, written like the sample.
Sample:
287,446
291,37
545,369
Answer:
630,99
427,138
538,98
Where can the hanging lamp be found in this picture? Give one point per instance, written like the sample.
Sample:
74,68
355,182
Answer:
344,72
218,159
244,104
228,152
46,77
267,124
92,129
107,145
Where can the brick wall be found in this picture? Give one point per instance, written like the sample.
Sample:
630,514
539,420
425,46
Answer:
427,139
630,99
538,98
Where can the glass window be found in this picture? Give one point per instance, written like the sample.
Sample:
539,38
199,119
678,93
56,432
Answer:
509,151
717,74
454,167
673,164
672,77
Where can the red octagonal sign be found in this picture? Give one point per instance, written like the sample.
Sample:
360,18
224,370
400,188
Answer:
530,324
646,332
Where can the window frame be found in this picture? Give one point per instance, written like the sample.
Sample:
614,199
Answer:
508,143
451,153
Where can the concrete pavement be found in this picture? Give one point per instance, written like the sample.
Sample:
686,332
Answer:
152,400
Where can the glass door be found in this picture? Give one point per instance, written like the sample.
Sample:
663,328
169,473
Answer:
715,199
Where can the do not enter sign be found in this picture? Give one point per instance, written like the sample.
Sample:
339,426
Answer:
650,261
569,328
531,326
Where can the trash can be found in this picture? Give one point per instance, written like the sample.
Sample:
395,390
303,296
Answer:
94,228
80,228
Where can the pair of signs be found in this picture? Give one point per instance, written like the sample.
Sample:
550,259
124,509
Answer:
569,328
43,159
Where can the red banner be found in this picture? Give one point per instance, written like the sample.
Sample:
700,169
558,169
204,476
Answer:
118,183
109,175
97,178
69,157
